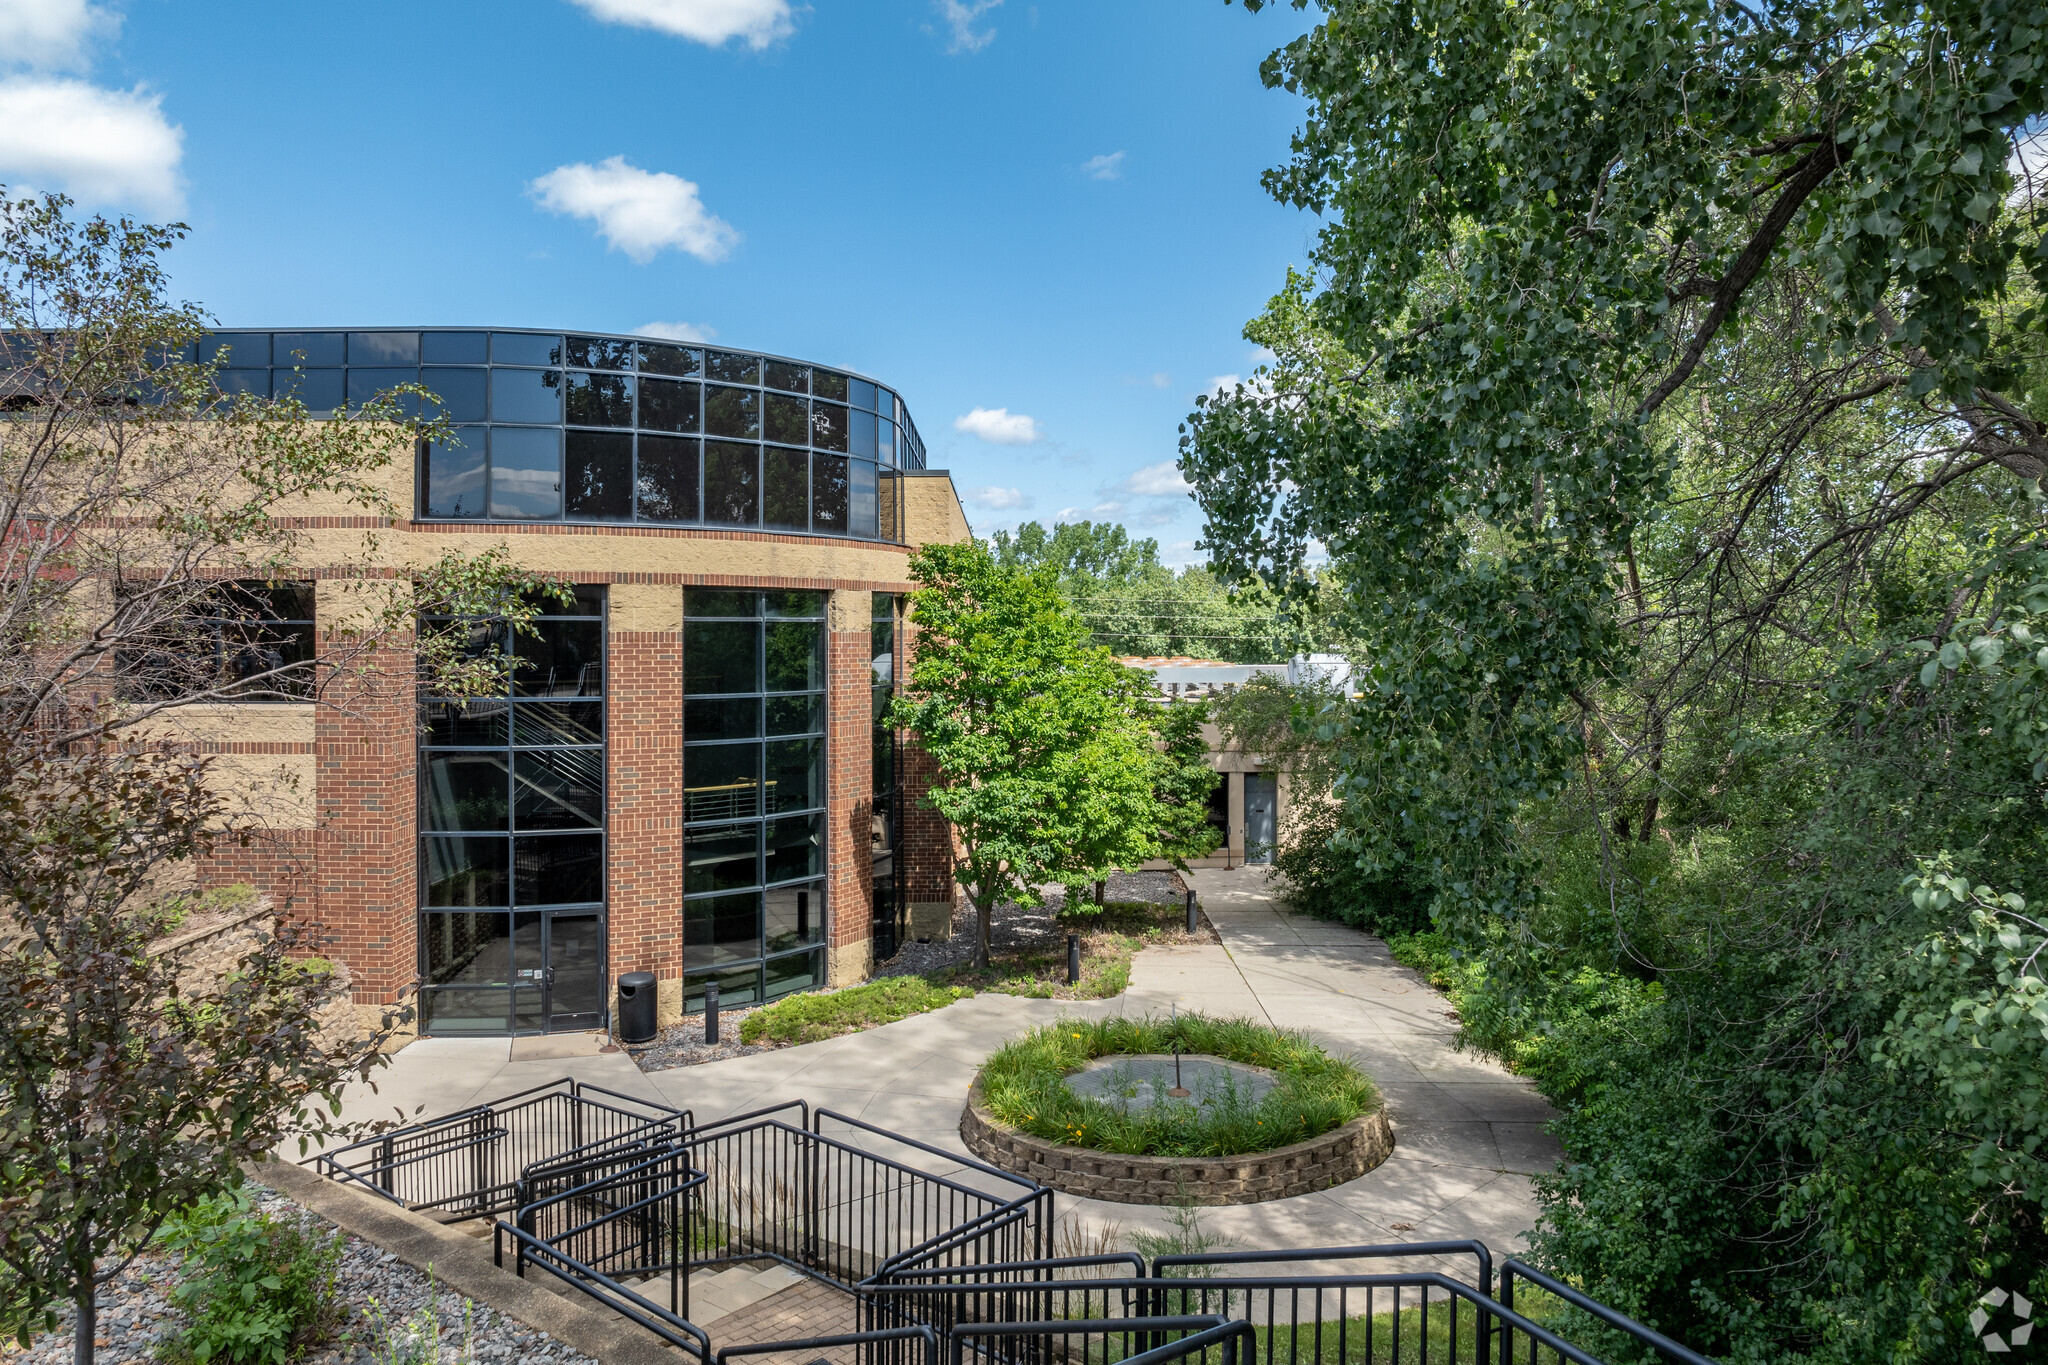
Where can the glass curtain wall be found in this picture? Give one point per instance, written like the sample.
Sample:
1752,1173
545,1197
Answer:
557,427
753,793
888,822
511,819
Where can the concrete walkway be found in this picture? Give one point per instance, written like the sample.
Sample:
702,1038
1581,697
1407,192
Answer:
1468,1135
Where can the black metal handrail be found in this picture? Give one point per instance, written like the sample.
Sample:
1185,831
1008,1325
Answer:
676,1330
1512,1270
1482,1255
1038,1336
803,1344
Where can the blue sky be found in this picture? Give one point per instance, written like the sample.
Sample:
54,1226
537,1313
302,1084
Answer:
1042,223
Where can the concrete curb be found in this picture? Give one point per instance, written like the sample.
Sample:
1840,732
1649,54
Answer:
463,1263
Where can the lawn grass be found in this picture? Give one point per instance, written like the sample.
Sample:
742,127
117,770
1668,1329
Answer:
1024,1083
809,1017
1111,936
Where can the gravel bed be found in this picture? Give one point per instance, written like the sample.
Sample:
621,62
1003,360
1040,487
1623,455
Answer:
381,1293
683,1044
1014,927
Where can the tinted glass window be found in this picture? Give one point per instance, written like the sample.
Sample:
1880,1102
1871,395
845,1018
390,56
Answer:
732,483
788,420
526,395
236,348
455,474
558,789
319,390
465,791
364,385
255,383
600,400
732,412
468,721
861,434
795,849
558,721
828,426
383,348
526,472
781,374
720,602
720,929
798,605
733,367
721,781
828,493
795,655
600,475
308,349
795,775
885,402
721,656
513,348
796,715
468,948
861,394
786,491
667,481
453,348
600,353
722,858
461,392
679,360
828,384
666,405
796,972
559,658
885,440
722,718
557,869
465,872
865,506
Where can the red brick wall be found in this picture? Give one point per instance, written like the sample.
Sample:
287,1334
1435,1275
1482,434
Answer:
849,805
278,863
364,850
644,698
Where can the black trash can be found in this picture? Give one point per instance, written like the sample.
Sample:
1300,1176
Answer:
636,1007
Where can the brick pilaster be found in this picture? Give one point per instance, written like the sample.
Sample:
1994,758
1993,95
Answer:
849,804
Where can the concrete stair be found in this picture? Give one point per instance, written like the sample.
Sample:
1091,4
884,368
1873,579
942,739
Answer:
715,1294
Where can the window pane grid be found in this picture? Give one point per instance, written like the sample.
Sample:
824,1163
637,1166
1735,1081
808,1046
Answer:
754,792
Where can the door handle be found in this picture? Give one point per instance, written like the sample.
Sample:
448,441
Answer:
547,977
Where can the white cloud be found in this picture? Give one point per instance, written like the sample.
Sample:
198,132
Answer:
999,426
1160,480
1108,509
676,331
1161,380
639,212
999,499
1222,384
960,16
757,23
1109,167
99,146
1066,514
51,34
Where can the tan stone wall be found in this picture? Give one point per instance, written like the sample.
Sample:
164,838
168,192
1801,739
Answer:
208,953
1339,1155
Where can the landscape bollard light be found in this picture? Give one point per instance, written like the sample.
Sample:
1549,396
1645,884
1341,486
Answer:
1073,959
710,1011
1191,910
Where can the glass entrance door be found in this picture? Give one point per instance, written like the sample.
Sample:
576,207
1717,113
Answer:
1261,817
559,956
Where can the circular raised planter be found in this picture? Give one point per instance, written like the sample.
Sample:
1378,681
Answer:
1344,1153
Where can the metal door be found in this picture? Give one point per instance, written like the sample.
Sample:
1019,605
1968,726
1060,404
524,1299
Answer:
1261,816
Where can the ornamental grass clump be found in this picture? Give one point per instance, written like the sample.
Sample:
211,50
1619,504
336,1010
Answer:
1024,1084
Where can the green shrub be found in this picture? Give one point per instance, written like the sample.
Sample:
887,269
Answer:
255,1289
1024,1083
811,1016
1326,882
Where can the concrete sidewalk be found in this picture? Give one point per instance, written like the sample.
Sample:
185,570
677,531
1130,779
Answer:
1468,1135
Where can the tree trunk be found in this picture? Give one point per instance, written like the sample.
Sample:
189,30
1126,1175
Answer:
982,915
87,1325
1098,891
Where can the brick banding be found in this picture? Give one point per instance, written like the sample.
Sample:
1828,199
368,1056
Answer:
1342,1154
